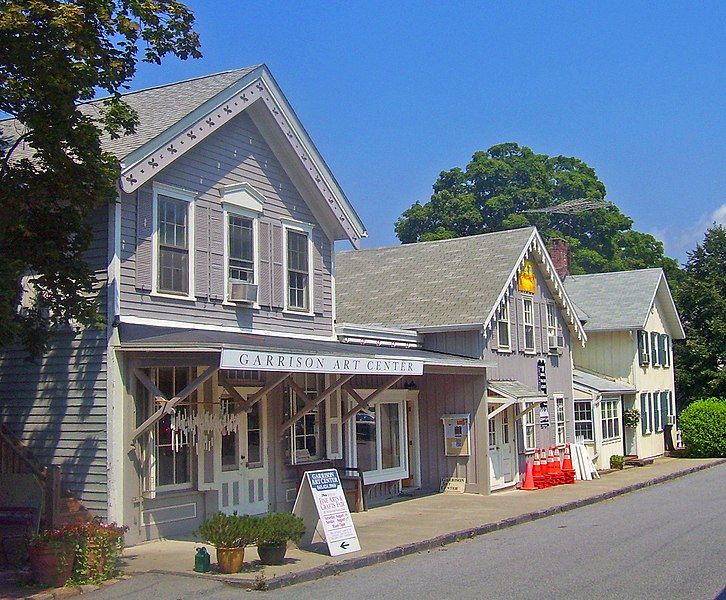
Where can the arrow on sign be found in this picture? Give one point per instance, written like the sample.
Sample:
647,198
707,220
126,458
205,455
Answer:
344,545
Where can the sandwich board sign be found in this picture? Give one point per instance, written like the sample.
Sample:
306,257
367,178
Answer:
321,500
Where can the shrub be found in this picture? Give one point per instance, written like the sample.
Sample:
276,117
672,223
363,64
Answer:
278,528
617,461
703,426
229,531
98,552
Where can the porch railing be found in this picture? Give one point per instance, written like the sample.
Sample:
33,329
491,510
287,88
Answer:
16,458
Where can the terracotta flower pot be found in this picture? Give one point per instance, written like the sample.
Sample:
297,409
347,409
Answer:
230,560
272,554
51,567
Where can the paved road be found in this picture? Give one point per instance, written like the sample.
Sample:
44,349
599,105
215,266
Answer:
668,541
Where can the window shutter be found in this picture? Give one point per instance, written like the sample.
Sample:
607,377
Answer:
643,413
144,239
201,252
642,350
318,274
278,274
654,347
333,426
664,409
216,255
265,276
666,350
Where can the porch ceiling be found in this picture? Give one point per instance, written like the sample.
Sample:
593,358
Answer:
145,338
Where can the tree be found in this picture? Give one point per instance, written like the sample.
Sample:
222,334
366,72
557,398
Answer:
499,186
54,55
701,298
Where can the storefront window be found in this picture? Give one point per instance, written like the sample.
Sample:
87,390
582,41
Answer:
305,432
254,436
390,436
380,441
172,460
366,440
230,451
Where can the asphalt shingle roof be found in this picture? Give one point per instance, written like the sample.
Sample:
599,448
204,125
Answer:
446,282
614,301
158,108
601,383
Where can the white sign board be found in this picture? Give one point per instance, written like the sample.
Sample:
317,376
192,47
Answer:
321,499
317,363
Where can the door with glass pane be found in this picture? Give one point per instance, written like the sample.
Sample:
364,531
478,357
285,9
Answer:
243,485
501,449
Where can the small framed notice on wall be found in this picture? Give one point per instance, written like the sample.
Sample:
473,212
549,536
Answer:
456,434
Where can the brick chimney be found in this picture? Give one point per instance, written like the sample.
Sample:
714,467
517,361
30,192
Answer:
560,254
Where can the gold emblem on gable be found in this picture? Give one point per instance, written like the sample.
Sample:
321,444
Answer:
527,281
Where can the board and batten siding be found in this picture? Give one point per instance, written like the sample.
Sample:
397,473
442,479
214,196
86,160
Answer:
56,404
236,153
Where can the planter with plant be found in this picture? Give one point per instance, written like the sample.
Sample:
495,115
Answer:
229,534
617,461
631,417
98,552
276,530
51,554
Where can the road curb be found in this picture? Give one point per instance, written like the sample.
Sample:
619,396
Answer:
374,558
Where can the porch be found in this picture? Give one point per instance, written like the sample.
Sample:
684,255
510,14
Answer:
409,525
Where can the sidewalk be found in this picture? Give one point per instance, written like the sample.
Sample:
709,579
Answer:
412,525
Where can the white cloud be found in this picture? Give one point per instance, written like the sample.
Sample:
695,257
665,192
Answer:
687,238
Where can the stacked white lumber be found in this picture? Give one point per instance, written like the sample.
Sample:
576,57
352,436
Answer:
582,463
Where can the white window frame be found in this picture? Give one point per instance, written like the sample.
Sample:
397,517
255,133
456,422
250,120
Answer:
655,357
319,423
395,473
590,421
610,414
504,312
528,425
307,229
525,324
643,347
666,358
237,211
551,320
177,193
560,426
650,413
153,476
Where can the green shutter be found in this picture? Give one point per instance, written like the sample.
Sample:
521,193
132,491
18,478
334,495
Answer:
664,409
643,413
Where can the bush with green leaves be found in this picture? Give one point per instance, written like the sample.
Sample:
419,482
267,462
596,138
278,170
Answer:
278,528
703,427
617,461
229,531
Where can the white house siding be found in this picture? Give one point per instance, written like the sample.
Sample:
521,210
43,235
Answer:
57,404
235,153
612,353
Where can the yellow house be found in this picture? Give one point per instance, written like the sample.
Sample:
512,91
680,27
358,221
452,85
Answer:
624,374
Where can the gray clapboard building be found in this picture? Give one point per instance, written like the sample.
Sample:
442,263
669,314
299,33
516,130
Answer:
496,297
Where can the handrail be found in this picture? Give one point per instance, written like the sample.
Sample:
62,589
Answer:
15,446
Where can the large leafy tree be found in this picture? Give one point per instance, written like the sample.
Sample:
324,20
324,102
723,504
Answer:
499,187
701,297
55,54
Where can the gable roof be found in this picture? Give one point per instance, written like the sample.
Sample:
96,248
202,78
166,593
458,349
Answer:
453,284
623,300
600,383
174,118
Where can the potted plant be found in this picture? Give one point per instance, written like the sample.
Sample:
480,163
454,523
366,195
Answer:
51,555
631,417
98,550
617,461
229,534
276,529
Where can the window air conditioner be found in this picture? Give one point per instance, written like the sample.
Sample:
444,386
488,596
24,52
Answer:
241,291
671,420
556,343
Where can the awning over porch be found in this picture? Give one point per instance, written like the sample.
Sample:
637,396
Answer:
590,381
510,391
145,338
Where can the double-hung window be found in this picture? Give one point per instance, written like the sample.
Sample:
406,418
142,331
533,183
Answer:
610,419
298,270
528,307
551,322
560,419
503,329
665,350
657,412
655,359
643,348
174,237
172,454
240,248
528,423
583,420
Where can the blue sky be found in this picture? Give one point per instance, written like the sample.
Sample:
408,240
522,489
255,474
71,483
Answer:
394,92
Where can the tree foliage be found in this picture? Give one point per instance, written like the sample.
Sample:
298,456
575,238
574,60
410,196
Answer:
701,298
499,185
55,54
